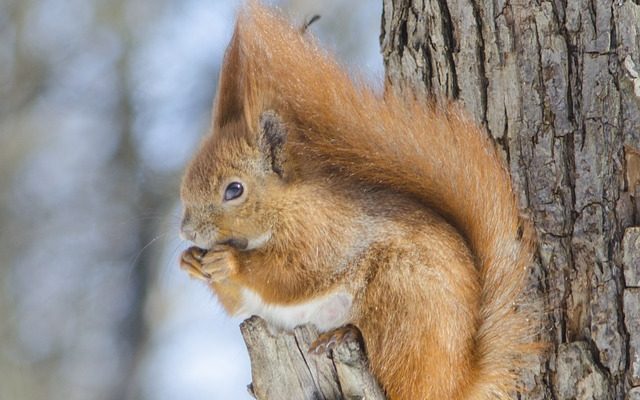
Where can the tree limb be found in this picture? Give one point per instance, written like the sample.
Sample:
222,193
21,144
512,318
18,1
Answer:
282,368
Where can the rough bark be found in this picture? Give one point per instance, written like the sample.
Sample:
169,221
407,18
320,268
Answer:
282,367
557,84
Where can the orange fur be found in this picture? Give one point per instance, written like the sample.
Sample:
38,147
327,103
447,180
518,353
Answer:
406,207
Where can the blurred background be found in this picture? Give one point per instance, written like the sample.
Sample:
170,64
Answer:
102,102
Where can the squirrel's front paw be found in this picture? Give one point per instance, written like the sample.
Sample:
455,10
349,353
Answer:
213,265
191,261
219,263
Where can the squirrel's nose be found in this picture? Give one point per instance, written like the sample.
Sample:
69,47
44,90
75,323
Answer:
187,233
186,229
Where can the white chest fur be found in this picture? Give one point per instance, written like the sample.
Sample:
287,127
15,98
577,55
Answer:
327,312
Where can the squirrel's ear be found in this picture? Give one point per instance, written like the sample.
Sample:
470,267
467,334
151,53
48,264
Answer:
229,104
272,136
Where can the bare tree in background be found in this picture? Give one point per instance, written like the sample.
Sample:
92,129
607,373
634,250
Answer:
78,203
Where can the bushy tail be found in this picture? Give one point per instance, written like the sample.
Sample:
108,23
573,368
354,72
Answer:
434,155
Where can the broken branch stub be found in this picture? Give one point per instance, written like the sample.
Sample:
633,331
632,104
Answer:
282,367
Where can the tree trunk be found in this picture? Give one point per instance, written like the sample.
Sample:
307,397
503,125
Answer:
557,84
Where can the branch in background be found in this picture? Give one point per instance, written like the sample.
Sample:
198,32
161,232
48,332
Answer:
282,368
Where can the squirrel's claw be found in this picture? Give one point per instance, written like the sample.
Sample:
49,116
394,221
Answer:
329,340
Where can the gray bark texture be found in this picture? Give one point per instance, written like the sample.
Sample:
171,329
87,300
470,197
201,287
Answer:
282,367
557,84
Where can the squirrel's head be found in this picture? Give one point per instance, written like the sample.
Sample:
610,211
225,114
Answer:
229,190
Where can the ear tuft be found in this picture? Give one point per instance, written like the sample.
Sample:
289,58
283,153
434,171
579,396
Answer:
229,99
272,137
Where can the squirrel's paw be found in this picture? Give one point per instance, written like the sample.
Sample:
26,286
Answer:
191,262
219,263
329,340
213,265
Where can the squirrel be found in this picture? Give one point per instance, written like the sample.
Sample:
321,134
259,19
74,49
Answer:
316,200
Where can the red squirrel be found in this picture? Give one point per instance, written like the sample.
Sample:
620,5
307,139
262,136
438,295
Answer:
316,200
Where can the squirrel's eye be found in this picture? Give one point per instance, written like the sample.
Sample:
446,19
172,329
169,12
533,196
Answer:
233,191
